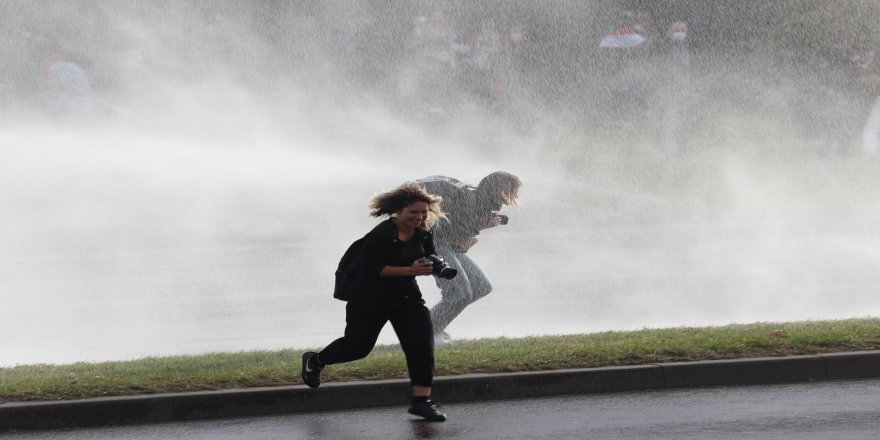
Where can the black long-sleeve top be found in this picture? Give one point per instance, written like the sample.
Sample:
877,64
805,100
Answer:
383,247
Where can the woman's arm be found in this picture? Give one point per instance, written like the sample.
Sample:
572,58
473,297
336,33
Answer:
428,245
419,267
377,245
422,266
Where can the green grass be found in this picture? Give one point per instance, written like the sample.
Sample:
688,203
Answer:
272,368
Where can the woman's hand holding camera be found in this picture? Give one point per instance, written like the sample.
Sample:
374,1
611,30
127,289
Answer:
422,266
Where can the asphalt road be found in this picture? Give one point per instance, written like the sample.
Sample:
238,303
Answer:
822,410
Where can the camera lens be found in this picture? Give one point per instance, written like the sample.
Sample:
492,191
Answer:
441,269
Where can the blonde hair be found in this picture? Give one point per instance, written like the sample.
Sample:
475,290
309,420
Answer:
392,202
502,184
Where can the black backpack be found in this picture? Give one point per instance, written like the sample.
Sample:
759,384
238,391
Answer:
347,271
348,268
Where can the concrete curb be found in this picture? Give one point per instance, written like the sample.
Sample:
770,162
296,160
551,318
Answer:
338,396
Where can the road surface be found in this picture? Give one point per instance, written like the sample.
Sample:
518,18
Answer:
824,410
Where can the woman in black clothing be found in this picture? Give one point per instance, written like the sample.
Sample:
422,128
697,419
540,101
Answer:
386,290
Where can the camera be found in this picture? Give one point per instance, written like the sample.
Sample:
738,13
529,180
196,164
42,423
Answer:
503,218
441,268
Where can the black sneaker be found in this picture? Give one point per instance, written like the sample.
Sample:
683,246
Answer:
311,375
428,410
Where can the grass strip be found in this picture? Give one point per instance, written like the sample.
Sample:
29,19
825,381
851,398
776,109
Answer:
216,371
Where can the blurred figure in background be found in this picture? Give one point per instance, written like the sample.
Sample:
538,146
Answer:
629,78
21,70
434,64
829,109
486,62
869,79
68,90
519,99
674,91
517,40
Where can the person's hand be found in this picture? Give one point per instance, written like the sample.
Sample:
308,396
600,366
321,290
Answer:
495,220
463,246
422,266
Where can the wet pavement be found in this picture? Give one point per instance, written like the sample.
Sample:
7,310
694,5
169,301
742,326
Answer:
840,410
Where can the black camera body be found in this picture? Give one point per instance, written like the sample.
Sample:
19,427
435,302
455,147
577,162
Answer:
441,268
503,217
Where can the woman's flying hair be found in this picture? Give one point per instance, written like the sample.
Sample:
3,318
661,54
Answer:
503,184
391,202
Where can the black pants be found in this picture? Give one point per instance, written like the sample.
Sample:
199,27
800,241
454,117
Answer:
364,320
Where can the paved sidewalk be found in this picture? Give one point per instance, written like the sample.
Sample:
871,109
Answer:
336,396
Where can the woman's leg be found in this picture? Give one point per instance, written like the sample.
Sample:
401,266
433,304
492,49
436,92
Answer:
364,321
412,324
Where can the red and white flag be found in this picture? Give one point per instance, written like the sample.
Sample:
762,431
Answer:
622,38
